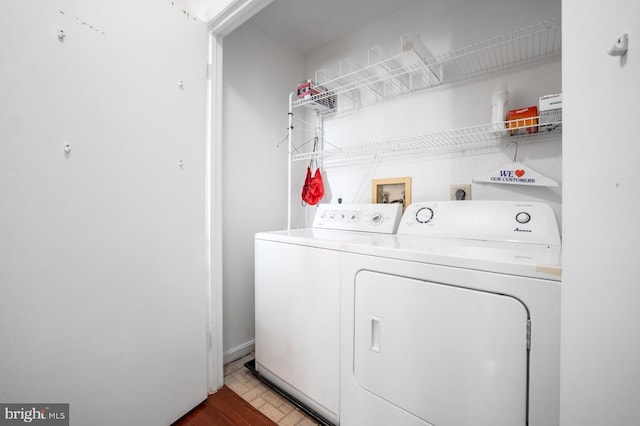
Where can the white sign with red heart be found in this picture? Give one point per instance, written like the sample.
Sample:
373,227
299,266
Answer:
516,174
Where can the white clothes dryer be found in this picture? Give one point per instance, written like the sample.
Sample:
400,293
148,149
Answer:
455,320
297,302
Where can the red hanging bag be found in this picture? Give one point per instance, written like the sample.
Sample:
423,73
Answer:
313,188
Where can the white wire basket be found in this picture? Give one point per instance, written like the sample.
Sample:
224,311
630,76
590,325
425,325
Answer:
416,69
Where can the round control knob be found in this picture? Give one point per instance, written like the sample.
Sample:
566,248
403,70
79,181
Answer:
523,217
376,218
424,215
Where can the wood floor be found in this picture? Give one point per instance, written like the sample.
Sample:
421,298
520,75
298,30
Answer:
224,408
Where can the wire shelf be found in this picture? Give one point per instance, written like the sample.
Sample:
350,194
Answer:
468,138
415,69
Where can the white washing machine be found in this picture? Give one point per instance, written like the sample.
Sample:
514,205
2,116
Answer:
297,301
454,321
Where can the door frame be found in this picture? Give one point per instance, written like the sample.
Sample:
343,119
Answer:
234,15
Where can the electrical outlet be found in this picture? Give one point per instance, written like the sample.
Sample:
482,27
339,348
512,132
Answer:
461,191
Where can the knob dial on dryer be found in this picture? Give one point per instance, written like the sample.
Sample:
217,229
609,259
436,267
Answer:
376,218
523,217
424,215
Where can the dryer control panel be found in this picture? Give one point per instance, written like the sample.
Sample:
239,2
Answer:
379,218
514,221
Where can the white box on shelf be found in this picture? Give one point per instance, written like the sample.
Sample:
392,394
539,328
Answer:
550,102
550,110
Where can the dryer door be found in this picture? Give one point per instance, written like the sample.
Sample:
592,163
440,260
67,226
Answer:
449,355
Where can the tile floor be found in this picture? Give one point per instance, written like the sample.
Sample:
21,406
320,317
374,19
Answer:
238,378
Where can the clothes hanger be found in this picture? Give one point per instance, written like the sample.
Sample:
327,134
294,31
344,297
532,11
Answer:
516,173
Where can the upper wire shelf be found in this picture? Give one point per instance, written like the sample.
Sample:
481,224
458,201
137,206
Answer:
416,69
468,138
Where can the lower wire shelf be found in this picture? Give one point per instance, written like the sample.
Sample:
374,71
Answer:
474,137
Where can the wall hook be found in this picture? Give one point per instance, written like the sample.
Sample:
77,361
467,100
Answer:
67,147
61,34
620,47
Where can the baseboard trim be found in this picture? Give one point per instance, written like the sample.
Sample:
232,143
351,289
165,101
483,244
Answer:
239,351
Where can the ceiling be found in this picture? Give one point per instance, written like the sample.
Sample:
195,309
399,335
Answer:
304,25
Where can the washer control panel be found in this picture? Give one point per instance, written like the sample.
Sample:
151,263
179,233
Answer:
517,221
379,218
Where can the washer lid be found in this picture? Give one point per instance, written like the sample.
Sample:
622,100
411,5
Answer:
313,237
528,260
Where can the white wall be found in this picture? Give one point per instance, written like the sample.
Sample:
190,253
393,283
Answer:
600,382
103,269
442,27
258,76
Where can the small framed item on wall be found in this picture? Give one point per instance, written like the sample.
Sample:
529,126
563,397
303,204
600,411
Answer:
392,190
